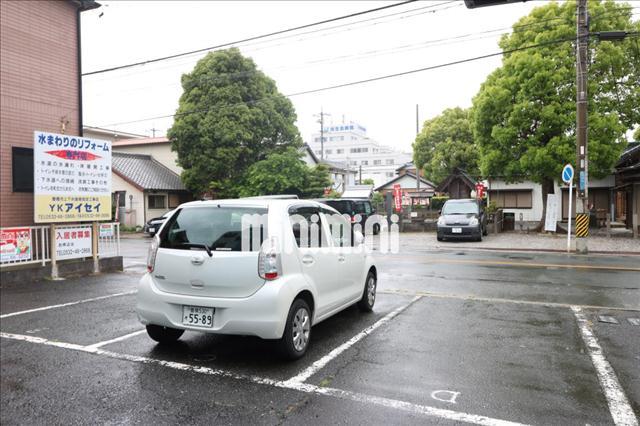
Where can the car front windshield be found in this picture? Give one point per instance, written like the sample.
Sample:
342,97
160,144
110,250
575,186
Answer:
460,208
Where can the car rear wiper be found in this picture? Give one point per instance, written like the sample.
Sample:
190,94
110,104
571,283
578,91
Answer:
198,245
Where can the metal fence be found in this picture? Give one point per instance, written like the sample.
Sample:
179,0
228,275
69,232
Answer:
31,244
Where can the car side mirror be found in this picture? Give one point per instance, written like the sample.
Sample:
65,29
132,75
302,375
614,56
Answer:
358,238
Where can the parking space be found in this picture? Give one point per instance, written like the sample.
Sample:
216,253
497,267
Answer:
490,340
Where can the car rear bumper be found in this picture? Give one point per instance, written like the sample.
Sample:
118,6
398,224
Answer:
466,232
262,314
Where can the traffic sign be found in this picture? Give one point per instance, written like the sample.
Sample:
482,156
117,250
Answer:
567,173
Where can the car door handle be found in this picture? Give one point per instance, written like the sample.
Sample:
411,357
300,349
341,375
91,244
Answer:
197,260
307,259
341,258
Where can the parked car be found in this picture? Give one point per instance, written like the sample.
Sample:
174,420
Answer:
353,207
153,225
463,218
200,279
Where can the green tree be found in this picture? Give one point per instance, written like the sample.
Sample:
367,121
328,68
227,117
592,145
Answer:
367,181
524,116
636,135
446,142
285,173
229,117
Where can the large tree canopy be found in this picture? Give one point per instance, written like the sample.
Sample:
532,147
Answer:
524,117
446,142
285,173
230,116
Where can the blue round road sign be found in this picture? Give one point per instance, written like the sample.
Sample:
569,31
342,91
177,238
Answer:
567,173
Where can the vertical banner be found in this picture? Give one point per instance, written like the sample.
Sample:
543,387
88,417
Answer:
72,178
551,218
397,197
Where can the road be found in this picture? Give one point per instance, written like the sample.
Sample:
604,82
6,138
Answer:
457,336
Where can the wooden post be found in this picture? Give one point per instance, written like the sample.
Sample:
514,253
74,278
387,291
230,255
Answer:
52,252
94,247
608,225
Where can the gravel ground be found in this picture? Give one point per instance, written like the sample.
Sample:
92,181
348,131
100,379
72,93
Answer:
518,241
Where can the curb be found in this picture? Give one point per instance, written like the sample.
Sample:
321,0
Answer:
542,250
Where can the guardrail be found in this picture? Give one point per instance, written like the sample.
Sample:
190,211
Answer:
24,245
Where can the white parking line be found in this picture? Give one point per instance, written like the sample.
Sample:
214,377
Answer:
301,387
117,339
62,305
619,406
319,364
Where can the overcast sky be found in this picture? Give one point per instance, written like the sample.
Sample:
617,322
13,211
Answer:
349,50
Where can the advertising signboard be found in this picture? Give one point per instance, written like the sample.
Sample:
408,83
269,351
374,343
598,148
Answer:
397,197
72,243
551,217
15,244
72,178
106,230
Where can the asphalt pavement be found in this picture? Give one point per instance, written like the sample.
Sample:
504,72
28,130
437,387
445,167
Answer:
456,336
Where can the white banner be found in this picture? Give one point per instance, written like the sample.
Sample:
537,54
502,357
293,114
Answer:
552,213
73,243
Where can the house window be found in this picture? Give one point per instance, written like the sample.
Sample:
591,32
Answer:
339,151
327,151
157,201
377,162
357,150
389,174
390,162
354,163
512,199
364,162
22,169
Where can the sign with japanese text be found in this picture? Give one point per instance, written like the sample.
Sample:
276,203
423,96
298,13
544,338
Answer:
397,197
72,243
15,244
480,188
106,230
72,178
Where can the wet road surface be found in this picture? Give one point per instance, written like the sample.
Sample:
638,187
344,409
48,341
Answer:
455,337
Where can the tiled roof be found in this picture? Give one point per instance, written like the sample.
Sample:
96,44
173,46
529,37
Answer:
145,172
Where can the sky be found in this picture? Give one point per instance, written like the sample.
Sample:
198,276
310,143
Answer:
395,40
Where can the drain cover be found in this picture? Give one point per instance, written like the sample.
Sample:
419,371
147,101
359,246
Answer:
607,319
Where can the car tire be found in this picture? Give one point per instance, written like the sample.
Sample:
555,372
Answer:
376,229
164,335
480,234
440,238
369,294
484,231
297,331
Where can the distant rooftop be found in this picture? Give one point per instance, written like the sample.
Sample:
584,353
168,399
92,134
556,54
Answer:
141,141
144,172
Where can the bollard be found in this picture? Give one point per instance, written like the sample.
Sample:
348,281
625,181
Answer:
608,223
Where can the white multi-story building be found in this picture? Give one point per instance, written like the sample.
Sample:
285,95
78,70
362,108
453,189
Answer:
348,143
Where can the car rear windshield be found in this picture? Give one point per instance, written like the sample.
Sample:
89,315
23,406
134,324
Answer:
343,206
216,227
460,208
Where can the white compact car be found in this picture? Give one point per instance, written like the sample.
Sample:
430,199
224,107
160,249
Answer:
263,267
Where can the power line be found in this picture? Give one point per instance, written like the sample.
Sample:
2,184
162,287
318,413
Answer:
300,27
354,83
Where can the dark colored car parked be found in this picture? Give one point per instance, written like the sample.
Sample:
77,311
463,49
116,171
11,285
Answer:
153,225
353,207
460,219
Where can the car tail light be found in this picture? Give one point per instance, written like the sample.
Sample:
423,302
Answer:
153,251
269,264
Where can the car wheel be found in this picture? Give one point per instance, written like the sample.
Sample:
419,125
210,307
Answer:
440,238
369,295
480,233
297,331
484,231
376,229
163,334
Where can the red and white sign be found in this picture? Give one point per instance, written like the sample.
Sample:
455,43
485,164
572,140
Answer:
15,244
73,243
480,188
397,197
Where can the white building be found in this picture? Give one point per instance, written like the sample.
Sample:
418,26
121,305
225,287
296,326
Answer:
347,142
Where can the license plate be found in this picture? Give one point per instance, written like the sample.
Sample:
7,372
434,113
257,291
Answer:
456,230
197,315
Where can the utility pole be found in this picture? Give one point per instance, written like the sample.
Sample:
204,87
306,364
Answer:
582,48
417,132
321,121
